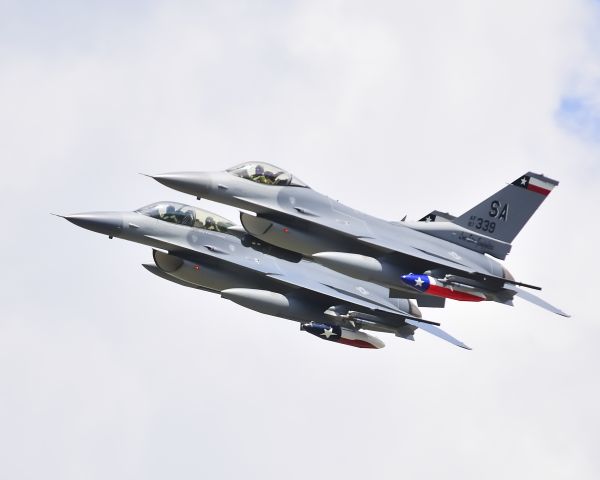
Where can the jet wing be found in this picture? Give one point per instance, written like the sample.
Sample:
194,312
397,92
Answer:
267,266
371,231
420,254
429,327
385,242
403,242
361,298
339,294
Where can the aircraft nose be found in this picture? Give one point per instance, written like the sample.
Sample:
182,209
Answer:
193,183
106,223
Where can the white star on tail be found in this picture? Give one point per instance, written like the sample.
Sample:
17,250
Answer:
419,282
328,332
524,181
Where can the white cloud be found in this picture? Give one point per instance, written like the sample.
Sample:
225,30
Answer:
392,108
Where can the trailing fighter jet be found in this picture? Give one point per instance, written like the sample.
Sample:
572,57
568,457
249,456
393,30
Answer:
199,249
437,258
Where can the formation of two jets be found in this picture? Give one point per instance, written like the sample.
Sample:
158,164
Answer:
337,271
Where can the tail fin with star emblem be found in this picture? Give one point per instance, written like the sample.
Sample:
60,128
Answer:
504,214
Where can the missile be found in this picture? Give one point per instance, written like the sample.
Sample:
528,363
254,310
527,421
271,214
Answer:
442,288
342,335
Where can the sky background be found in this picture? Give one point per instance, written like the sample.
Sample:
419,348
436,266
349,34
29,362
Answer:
394,108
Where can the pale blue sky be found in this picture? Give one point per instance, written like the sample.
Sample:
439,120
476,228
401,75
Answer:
580,117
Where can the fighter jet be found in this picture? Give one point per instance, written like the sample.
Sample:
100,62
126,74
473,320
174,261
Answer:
441,257
199,249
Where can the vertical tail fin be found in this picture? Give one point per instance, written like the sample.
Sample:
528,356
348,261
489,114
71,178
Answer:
504,214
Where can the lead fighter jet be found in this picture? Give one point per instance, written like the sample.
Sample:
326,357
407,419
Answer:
437,258
199,249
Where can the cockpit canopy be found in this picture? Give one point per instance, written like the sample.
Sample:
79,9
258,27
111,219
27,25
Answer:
266,173
181,214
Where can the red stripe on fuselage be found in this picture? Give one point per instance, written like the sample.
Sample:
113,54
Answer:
453,294
536,189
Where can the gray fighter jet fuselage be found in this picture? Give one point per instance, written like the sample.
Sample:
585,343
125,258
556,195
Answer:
429,261
198,249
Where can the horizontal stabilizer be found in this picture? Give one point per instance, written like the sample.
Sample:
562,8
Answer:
438,332
530,297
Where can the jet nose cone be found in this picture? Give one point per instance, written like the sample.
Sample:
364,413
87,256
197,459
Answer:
193,183
106,223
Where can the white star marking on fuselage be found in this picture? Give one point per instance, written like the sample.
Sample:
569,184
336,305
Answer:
328,332
419,282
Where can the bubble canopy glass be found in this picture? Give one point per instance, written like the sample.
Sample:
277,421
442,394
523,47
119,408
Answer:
181,214
265,173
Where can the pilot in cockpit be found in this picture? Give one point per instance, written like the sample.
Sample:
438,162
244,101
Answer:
210,224
169,215
259,174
